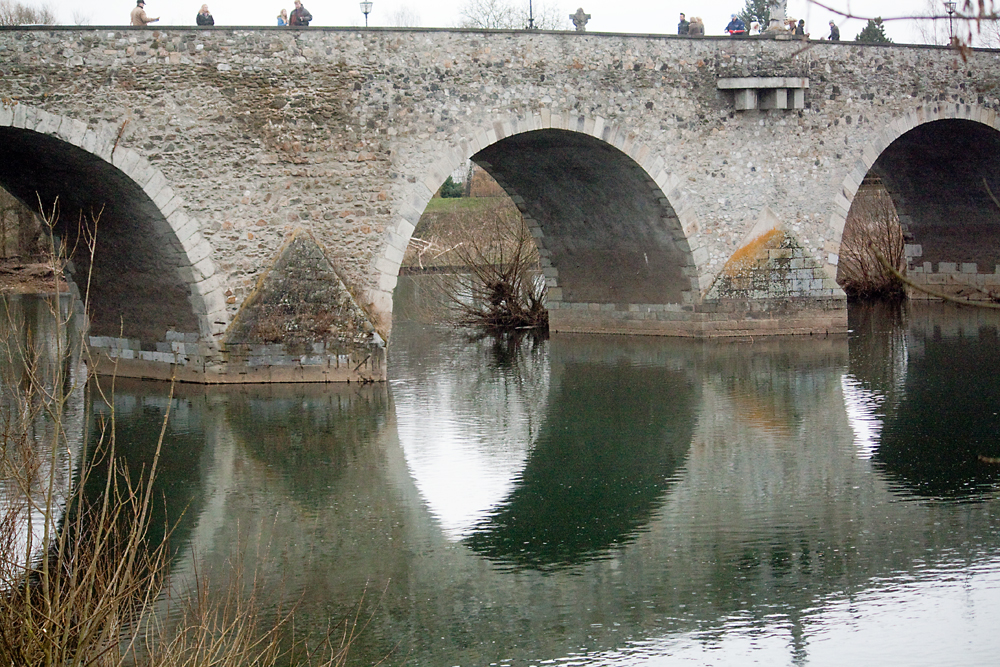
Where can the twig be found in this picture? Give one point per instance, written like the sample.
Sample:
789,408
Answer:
990,192
121,131
940,295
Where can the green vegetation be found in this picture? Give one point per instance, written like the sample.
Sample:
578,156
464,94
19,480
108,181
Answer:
439,205
451,189
873,33
756,11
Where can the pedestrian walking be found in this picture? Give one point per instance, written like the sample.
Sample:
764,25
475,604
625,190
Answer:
138,16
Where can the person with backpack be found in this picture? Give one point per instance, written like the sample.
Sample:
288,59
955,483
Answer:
300,16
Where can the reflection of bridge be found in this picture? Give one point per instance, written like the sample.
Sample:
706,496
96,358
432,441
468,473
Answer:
641,162
337,485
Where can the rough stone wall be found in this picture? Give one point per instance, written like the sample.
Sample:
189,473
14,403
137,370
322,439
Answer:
20,229
349,132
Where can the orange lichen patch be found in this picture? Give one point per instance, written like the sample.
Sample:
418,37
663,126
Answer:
753,254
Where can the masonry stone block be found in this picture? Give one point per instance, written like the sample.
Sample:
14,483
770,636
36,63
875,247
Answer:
155,185
71,131
23,116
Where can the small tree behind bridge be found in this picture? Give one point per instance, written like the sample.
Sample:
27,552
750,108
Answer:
873,33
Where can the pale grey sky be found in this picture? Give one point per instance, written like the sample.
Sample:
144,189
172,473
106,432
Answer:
640,16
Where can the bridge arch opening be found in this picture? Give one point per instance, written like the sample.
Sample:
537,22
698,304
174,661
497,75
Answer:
138,287
942,178
609,240
605,232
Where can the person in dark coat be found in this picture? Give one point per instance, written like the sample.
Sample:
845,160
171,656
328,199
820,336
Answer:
682,27
204,17
834,32
300,16
736,26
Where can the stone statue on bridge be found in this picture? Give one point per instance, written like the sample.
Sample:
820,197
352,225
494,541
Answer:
580,20
776,10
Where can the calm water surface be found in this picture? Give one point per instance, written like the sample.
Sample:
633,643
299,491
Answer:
615,500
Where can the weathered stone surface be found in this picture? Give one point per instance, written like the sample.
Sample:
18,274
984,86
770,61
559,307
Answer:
299,303
346,133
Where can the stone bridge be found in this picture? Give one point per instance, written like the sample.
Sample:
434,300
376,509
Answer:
253,189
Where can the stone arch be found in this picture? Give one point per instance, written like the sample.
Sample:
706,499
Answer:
662,187
44,155
874,150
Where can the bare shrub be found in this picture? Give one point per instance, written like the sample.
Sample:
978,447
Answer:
18,13
872,225
82,568
501,288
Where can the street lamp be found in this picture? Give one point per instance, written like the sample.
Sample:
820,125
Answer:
531,17
950,6
366,9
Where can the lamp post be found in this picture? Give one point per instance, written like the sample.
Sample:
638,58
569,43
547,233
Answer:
950,6
531,17
366,9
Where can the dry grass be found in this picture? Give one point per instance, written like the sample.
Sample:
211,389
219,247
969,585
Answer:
83,575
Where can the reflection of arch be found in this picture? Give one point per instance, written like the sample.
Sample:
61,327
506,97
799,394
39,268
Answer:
939,436
152,269
907,154
627,203
599,470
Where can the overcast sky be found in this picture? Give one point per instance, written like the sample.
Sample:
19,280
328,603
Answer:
639,16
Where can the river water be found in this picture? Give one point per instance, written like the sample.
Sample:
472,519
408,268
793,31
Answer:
593,500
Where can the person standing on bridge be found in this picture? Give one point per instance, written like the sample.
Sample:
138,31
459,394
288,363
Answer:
697,27
300,16
834,32
736,26
282,18
138,15
204,17
683,26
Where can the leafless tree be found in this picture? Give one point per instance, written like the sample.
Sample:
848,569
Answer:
18,13
872,228
501,289
505,15
404,17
